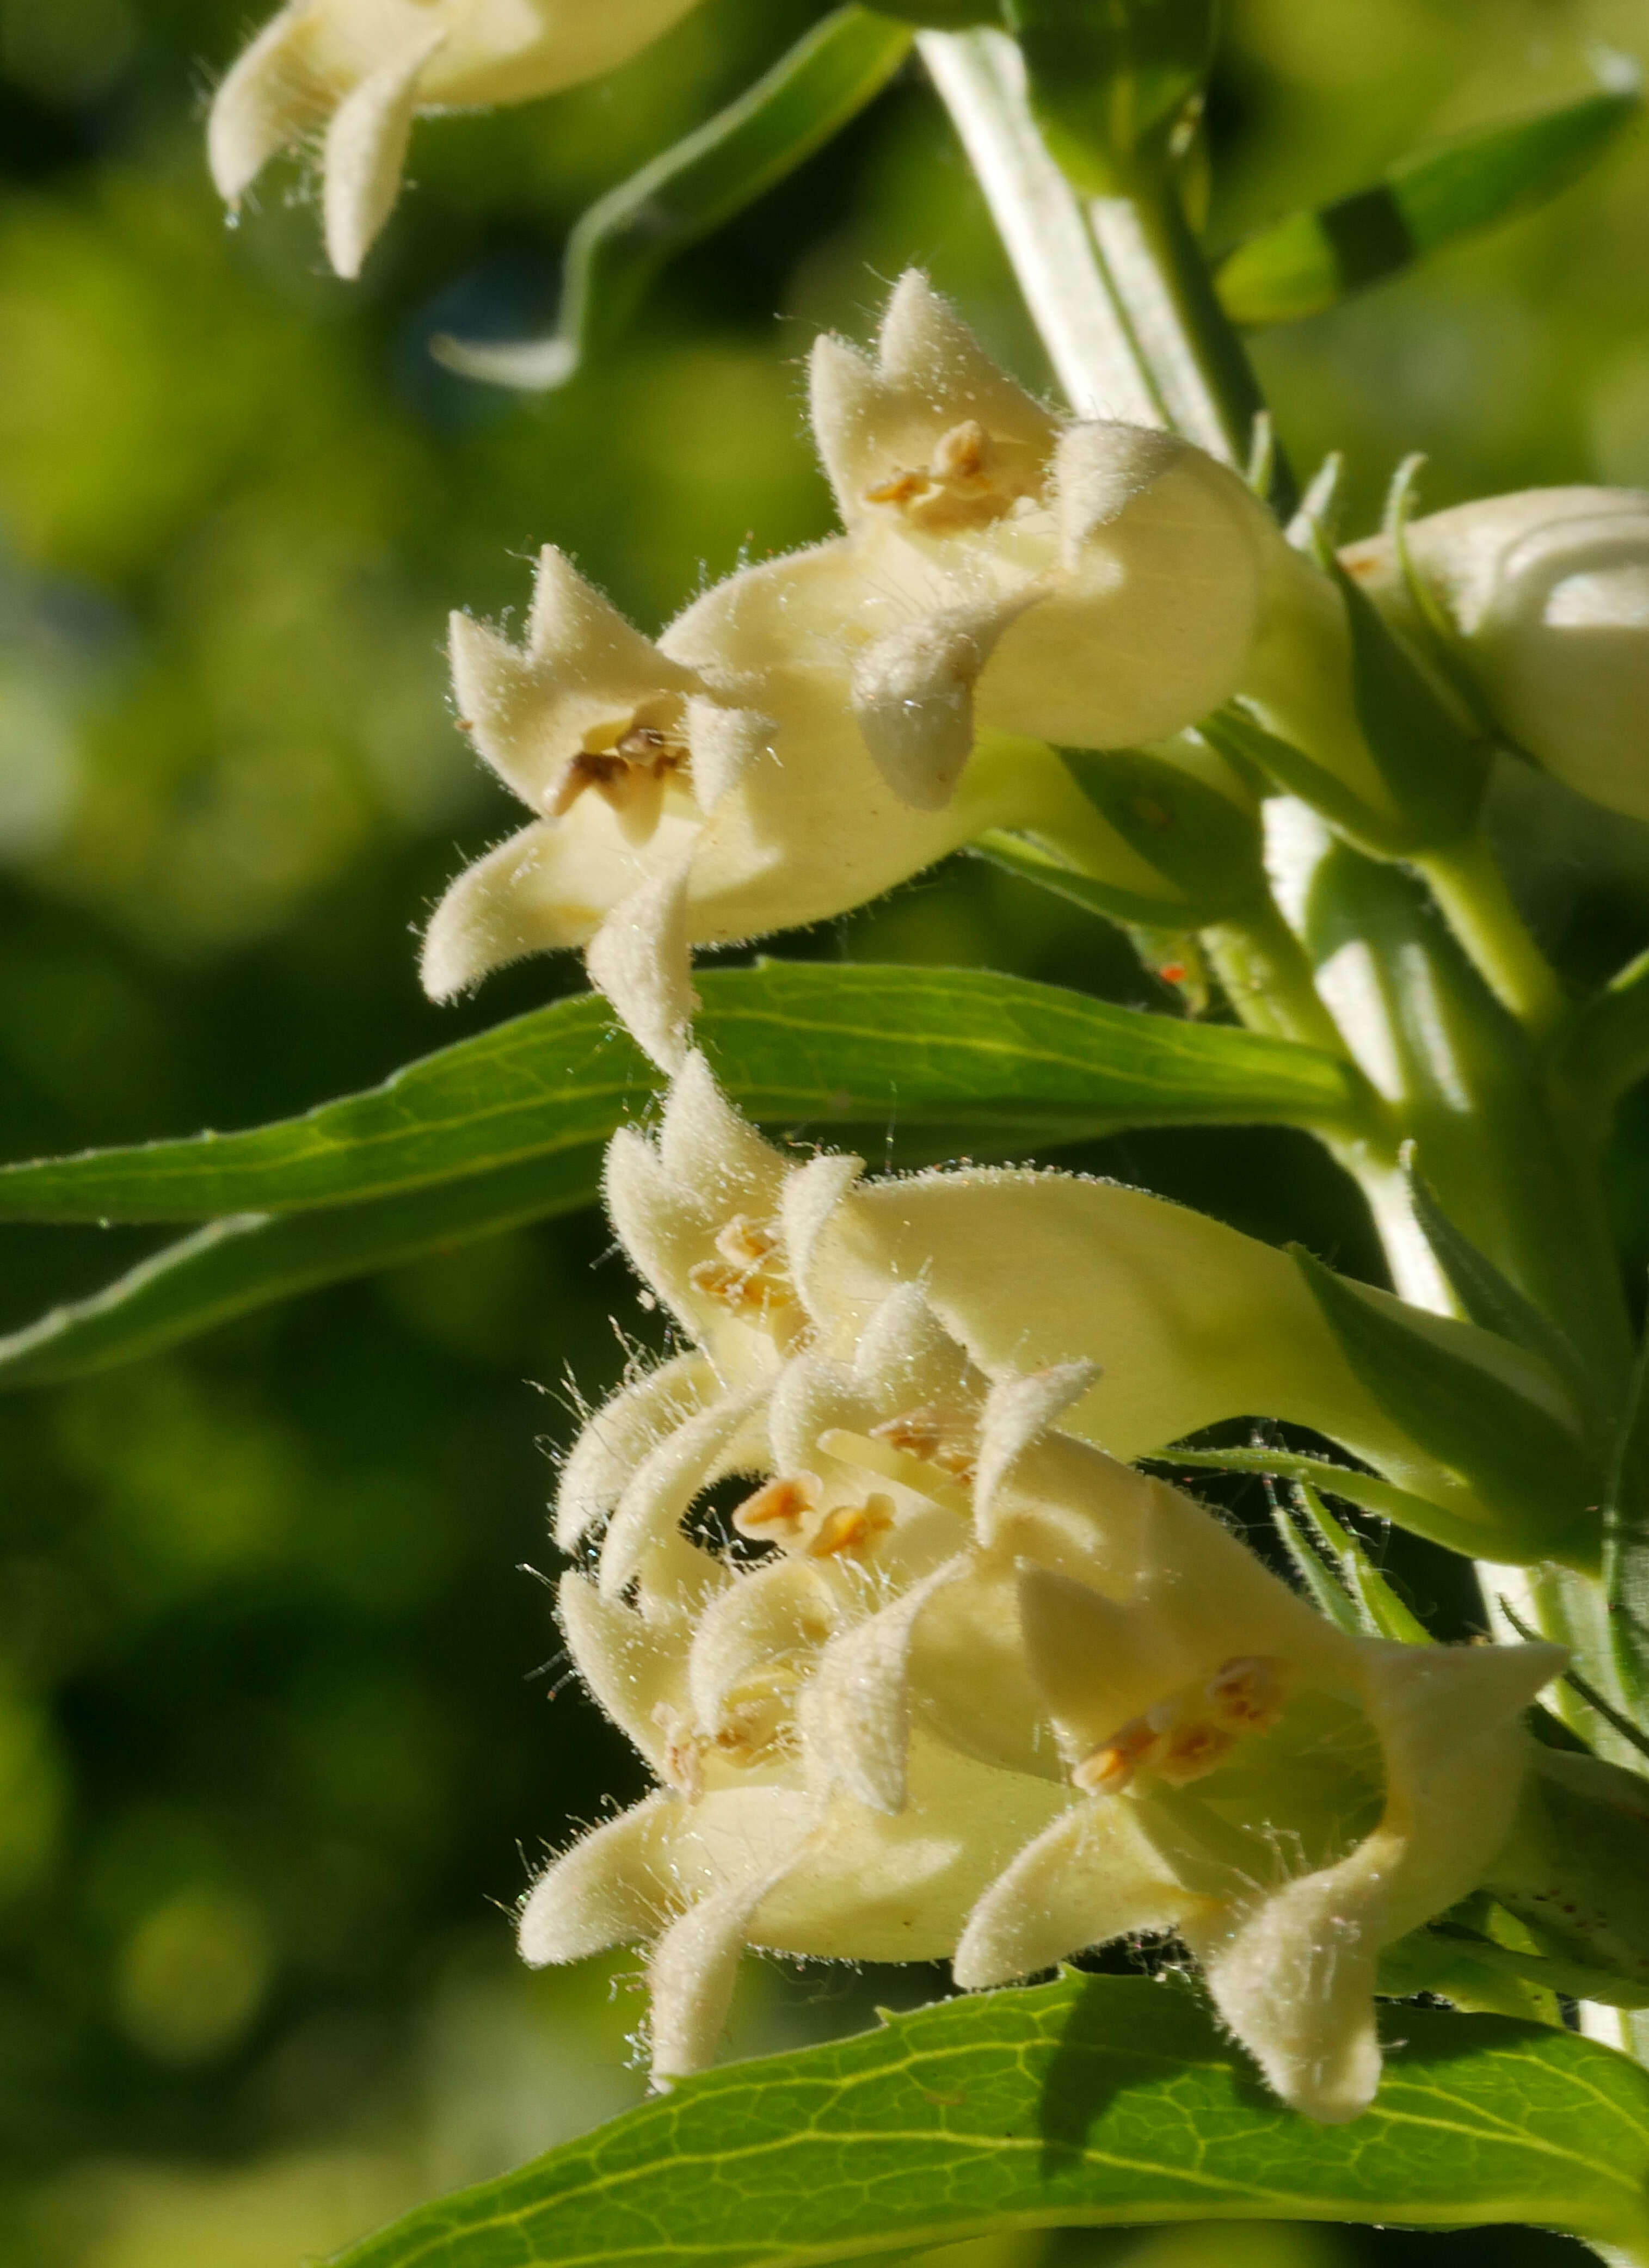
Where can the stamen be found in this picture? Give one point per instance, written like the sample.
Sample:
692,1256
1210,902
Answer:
852,1529
683,1763
1246,1690
970,480
752,1730
1110,1767
938,1436
775,1513
873,1456
620,772
959,456
1191,1750
902,488
1187,1735
745,1242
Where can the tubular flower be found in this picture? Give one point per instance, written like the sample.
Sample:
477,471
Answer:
967,1685
759,1258
1544,597
360,70
704,790
1095,585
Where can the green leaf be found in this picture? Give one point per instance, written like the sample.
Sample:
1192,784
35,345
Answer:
1309,260
1486,1295
1094,2101
1435,770
1241,739
1495,1415
1206,844
794,1042
1383,1611
1605,1051
1472,1972
1329,1597
233,1266
620,244
1626,1546
1366,1491
1036,861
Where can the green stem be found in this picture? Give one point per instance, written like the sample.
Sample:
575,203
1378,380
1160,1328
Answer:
1267,978
980,78
1186,339
1116,285
1472,895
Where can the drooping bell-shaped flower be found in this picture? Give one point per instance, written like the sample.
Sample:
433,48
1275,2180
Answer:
757,1256
704,790
1095,584
965,1685
1543,596
359,70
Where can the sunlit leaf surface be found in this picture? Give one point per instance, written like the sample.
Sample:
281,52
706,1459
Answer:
1091,2100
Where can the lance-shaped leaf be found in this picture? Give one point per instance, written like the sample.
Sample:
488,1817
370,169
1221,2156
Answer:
620,244
234,1266
1435,770
793,1042
1095,2101
1626,1544
1309,259
1198,827
1495,1414
1488,1296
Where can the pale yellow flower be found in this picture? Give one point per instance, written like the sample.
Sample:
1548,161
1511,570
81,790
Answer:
707,789
361,69
1095,586
967,1685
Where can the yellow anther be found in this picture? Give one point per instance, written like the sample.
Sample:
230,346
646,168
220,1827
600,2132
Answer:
852,1529
892,1464
938,1436
970,480
746,1242
1190,1750
775,1513
962,455
749,1277
1246,1691
1112,1765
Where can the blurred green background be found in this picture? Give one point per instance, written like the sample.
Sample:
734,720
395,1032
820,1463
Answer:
281,1729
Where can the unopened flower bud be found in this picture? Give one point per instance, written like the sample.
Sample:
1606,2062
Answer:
361,69
1544,596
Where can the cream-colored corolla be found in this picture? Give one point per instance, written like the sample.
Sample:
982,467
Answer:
1095,584
706,789
757,1256
362,68
965,1684
1544,597
823,725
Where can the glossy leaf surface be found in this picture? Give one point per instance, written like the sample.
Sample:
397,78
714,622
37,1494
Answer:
1091,2101
795,1043
620,244
1309,259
